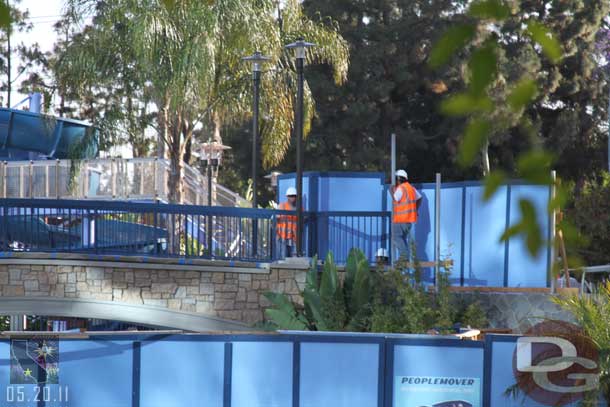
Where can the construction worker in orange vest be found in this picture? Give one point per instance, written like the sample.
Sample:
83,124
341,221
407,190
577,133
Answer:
406,200
287,225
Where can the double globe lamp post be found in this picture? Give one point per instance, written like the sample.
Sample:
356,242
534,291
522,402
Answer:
257,59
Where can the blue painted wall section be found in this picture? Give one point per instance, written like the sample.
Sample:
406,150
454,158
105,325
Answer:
470,227
288,370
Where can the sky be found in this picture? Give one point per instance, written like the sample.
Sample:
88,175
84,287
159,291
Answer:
43,14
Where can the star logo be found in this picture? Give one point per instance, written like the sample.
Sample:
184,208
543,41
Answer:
27,373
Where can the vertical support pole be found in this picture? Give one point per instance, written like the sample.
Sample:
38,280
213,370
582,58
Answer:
393,157
392,176
124,175
85,179
46,181
113,178
437,230
31,179
21,192
57,192
299,137
141,164
209,216
552,255
256,78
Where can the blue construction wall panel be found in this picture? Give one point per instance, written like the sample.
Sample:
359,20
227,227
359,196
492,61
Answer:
451,229
484,253
194,370
339,374
469,234
520,264
261,374
304,369
97,373
502,377
434,362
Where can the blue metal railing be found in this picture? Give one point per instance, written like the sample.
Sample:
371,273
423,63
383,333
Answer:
118,227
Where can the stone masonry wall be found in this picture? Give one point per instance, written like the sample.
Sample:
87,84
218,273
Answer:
232,296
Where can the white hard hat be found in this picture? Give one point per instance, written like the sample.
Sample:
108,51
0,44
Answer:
381,252
292,191
402,174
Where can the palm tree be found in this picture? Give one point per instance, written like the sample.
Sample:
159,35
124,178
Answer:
188,54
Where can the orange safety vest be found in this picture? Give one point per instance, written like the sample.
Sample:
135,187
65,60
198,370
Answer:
287,224
405,210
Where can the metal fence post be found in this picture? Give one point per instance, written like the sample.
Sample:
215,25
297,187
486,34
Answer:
552,256
437,230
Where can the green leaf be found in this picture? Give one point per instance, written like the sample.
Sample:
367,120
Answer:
311,279
169,4
280,301
313,301
528,226
560,199
483,66
547,41
464,104
535,166
361,295
514,230
493,181
475,137
490,9
328,283
454,39
284,315
523,94
529,221
5,16
285,320
351,267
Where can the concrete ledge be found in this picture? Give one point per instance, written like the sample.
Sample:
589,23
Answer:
117,311
134,262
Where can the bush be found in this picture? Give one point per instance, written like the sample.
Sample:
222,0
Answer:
403,304
365,300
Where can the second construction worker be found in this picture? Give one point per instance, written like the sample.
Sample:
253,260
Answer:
286,234
406,200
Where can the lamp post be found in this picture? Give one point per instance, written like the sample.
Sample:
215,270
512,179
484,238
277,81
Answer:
300,48
211,154
257,59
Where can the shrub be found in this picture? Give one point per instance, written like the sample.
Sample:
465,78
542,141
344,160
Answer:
393,301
